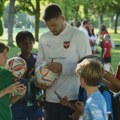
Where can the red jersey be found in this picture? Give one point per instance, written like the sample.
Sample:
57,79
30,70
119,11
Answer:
106,44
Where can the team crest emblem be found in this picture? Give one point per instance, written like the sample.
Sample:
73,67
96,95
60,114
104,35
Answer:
66,44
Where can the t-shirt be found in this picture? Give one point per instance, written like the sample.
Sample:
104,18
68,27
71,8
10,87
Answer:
82,96
6,79
106,44
29,99
95,107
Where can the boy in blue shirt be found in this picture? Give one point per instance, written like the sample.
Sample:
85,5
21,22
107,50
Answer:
90,73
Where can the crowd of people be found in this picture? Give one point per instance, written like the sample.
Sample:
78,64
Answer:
72,51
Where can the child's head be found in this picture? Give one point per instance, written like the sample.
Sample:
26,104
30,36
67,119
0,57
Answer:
3,53
91,71
25,41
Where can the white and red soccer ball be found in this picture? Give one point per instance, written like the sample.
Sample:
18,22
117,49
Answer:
17,66
46,76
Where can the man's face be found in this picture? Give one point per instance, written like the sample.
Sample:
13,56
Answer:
56,25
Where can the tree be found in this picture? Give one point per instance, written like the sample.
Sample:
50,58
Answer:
115,7
32,7
1,13
11,22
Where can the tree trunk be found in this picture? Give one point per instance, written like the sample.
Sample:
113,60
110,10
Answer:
116,22
11,22
111,21
37,16
100,21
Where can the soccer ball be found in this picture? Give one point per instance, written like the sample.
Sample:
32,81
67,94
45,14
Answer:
17,66
46,76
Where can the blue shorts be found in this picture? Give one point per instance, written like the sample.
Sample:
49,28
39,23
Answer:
22,112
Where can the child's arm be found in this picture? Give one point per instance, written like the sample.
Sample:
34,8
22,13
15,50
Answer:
79,110
10,89
104,52
21,90
112,82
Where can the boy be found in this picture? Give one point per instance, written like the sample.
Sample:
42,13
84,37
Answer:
27,108
90,73
7,86
106,52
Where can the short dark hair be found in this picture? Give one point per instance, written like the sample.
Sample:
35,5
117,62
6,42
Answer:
3,47
52,11
92,57
103,28
85,21
23,35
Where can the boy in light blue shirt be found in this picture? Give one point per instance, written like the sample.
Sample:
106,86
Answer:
90,73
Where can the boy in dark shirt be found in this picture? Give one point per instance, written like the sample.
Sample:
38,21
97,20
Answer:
27,108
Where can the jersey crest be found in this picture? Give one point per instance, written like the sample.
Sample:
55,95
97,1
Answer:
66,44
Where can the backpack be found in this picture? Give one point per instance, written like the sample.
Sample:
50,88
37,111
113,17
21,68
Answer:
115,101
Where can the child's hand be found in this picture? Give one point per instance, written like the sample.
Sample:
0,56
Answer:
21,90
75,115
80,106
41,101
12,88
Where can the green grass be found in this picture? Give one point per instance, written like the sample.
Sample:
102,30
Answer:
115,52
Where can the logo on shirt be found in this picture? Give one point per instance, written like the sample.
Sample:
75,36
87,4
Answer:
66,44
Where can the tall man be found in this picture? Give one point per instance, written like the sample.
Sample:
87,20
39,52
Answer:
64,45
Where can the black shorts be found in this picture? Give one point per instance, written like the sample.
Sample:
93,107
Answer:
56,111
107,60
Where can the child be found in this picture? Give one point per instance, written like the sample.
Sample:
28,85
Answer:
90,73
82,97
82,93
106,52
7,86
27,108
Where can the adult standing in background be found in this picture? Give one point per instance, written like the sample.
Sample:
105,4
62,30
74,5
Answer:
84,27
64,45
92,38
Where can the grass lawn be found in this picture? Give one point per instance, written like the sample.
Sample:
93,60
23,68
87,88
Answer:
115,52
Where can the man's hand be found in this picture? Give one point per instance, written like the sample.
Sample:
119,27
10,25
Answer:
55,67
64,101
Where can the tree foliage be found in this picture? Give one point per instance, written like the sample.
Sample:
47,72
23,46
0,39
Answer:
32,7
1,13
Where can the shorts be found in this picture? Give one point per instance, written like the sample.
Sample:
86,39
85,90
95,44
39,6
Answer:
22,112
